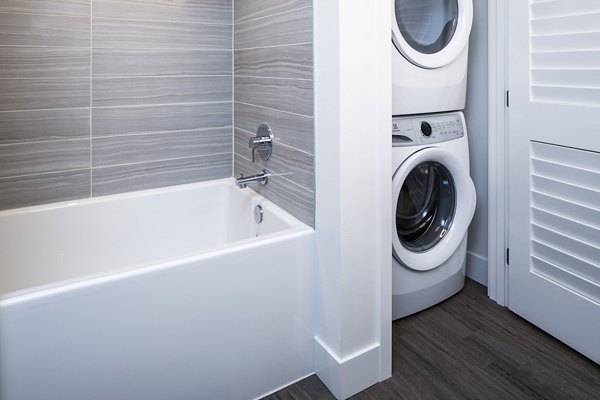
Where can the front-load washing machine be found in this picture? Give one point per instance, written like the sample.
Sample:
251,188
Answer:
429,55
434,202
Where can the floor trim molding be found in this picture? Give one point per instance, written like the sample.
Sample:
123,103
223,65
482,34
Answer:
349,375
477,268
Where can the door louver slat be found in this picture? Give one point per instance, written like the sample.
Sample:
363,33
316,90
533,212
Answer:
565,217
565,52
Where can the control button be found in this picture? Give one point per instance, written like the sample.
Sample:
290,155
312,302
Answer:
426,128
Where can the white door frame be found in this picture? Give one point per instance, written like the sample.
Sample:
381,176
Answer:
497,145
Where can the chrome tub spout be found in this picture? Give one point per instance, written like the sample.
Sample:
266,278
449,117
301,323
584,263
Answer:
262,177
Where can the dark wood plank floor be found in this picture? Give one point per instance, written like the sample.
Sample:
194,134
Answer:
468,347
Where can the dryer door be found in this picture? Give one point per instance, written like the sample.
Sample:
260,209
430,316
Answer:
434,199
431,33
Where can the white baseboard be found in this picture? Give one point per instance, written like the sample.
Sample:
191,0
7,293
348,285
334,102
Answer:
477,268
347,376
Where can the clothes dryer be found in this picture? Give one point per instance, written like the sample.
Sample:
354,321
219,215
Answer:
434,202
429,55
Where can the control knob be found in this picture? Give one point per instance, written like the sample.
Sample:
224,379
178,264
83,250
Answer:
426,128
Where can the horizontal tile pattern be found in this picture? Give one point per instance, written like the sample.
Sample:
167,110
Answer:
48,62
115,150
286,28
292,62
134,34
39,157
290,129
136,93
64,7
44,30
160,90
295,96
204,11
45,188
273,64
125,178
285,193
160,62
160,118
252,9
44,101
161,93
44,125
44,93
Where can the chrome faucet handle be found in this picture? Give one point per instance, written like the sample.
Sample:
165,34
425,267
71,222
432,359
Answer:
264,146
263,141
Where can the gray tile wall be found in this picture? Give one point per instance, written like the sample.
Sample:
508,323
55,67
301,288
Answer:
44,101
273,69
107,96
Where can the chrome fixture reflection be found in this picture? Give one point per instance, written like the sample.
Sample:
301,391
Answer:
263,142
262,177
258,213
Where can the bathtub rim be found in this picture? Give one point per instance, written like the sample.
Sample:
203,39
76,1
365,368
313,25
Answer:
76,284
297,229
125,196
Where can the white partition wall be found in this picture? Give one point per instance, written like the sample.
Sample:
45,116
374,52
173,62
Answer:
353,187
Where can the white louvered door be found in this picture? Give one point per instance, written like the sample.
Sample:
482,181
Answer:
554,168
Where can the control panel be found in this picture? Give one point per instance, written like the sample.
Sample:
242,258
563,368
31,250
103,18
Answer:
426,129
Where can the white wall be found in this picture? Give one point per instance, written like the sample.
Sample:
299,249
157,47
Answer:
353,193
476,113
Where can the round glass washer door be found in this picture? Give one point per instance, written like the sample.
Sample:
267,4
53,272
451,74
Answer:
425,207
434,202
431,33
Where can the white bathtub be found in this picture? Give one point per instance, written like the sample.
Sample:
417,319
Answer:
171,294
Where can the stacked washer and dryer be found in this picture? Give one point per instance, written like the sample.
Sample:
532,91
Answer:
433,194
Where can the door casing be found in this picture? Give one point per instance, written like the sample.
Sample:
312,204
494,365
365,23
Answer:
499,100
